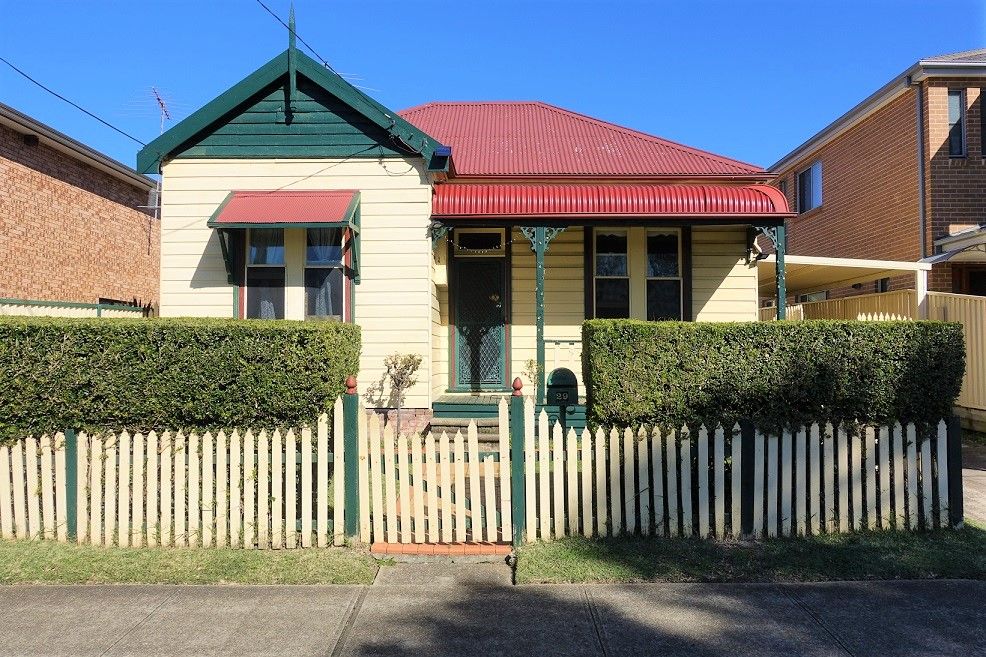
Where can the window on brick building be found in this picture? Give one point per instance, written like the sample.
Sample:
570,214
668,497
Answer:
810,187
956,123
812,296
782,185
982,123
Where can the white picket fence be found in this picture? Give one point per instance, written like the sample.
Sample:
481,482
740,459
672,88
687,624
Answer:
31,504
433,489
237,488
689,482
285,489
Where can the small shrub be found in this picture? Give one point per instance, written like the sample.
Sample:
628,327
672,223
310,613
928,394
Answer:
102,374
772,373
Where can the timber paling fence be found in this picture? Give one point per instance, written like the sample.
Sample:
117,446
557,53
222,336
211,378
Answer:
350,478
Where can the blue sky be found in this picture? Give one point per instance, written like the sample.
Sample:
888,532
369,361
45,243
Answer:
749,80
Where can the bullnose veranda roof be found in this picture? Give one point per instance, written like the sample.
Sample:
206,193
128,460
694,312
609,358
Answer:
607,201
496,139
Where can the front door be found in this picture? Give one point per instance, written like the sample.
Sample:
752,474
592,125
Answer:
479,352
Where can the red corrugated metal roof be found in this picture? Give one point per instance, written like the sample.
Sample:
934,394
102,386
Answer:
537,139
607,200
286,207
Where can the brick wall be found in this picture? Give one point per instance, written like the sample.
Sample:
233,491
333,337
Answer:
869,191
955,187
70,232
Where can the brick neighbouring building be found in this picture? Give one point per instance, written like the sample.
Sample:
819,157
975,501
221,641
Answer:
71,225
871,162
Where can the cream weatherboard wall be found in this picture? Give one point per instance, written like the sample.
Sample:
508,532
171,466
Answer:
564,300
724,289
724,284
396,290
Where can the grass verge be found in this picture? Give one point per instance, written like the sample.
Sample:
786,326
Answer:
48,562
866,555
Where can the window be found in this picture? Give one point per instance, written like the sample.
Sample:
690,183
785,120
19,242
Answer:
782,185
479,243
324,274
883,285
956,123
612,275
265,274
982,124
812,296
810,188
663,276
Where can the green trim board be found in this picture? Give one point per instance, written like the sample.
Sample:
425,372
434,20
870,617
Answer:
253,119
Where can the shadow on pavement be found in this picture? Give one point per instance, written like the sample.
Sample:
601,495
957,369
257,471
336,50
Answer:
862,618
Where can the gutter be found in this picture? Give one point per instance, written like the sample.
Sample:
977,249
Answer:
24,124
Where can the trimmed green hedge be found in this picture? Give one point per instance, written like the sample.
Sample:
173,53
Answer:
141,374
772,373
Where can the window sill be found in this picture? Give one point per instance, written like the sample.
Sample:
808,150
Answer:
807,213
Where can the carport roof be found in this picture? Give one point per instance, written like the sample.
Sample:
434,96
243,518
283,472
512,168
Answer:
806,274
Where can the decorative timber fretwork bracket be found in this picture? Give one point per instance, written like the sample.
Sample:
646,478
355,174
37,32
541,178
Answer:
436,231
547,234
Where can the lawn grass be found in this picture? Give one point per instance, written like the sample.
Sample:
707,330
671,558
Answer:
49,562
865,555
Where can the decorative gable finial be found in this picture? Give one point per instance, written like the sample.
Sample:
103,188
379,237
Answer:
292,68
291,29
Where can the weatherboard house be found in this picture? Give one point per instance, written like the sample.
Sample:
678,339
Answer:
478,235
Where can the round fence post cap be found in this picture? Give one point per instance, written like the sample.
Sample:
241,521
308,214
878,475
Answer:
517,386
350,385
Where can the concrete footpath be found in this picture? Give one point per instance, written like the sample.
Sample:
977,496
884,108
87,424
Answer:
974,481
472,610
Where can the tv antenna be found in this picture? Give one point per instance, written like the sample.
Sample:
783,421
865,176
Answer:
162,107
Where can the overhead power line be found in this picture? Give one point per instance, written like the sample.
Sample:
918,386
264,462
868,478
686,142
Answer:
73,104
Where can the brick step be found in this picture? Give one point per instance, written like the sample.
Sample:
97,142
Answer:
471,548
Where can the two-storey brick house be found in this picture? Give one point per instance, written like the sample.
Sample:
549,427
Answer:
76,230
901,176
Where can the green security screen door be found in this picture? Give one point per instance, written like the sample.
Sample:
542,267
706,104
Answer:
480,353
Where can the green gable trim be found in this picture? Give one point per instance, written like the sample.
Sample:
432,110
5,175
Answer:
328,118
320,126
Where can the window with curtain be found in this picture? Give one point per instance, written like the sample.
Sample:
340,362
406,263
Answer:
663,276
956,123
810,188
612,275
265,274
324,274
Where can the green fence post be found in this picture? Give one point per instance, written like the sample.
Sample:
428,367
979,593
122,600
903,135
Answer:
350,416
747,470
517,490
71,484
954,448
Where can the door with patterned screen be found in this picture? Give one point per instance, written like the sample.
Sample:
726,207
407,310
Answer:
480,319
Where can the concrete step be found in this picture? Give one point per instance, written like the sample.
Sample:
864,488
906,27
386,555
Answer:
463,422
